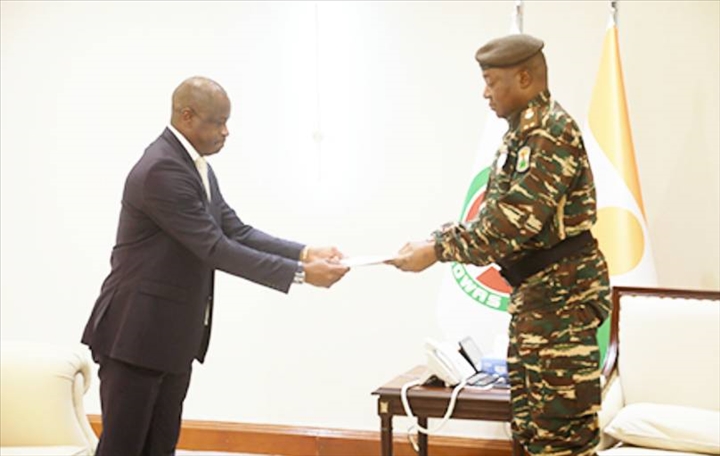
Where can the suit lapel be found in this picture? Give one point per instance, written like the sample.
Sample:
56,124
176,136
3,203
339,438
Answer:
187,160
215,207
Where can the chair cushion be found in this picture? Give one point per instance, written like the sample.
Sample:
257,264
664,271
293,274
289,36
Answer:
669,427
624,450
670,351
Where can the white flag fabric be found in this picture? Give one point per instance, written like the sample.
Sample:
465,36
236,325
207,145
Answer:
473,300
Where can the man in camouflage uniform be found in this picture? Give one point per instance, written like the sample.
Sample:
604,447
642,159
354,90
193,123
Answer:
535,223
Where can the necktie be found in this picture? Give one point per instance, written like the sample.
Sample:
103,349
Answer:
201,166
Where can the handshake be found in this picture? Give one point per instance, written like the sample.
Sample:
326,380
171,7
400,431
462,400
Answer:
326,265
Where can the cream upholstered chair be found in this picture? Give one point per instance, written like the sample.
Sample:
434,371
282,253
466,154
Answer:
41,400
663,366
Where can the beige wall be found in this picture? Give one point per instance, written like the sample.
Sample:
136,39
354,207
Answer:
86,86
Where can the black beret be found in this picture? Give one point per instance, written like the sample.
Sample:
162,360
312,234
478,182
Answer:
508,51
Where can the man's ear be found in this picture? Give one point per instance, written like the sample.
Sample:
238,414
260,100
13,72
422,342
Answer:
186,114
525,79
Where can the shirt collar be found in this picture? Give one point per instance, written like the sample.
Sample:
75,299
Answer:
194,155
541,99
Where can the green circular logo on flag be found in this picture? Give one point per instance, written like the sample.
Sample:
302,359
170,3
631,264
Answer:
484,285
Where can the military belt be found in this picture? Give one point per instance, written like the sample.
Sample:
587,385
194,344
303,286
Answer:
516,273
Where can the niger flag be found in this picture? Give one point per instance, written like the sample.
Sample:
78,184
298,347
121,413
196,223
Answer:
621,229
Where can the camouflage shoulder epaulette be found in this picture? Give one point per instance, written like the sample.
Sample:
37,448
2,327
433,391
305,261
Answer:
529,119
559,126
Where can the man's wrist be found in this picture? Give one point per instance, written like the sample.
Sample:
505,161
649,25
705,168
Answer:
299,274
304,254
437,245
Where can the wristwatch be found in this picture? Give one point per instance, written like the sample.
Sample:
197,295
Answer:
299,273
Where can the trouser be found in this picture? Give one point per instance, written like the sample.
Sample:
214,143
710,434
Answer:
554,358
141,409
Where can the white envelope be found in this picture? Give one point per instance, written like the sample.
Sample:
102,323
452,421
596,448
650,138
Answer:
365,260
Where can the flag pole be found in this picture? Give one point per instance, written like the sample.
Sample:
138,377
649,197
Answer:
517,17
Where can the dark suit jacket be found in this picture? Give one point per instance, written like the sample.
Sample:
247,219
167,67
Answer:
152,307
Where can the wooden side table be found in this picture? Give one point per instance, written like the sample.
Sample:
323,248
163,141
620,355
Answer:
431,402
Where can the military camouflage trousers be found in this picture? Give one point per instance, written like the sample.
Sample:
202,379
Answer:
553,356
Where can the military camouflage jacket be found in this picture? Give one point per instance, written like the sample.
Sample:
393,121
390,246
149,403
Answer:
540,191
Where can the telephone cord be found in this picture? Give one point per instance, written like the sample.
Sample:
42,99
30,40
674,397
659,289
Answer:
448,412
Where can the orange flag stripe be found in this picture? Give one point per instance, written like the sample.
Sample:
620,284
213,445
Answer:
608,116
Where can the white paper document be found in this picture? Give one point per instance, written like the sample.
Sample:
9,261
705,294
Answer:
365,260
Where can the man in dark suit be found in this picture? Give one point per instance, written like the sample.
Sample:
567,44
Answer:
154,312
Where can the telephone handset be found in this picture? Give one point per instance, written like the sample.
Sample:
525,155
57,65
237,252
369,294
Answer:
445,361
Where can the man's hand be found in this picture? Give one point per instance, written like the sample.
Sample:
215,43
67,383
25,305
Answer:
331,254
415,256
323,273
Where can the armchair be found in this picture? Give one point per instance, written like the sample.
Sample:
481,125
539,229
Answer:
41,400
662,395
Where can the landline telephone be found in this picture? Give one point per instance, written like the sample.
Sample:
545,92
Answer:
445,361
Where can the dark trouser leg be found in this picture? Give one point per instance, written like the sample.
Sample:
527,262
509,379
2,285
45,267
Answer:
127,395
167,416
130,396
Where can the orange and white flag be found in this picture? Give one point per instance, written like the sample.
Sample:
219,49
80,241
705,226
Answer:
622,228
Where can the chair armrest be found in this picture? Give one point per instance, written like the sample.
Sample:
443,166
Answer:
612,402
41,397
81,385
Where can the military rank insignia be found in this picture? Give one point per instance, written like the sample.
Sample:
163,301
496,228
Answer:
523,160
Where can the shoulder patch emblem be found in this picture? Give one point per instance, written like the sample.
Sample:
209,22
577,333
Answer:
523,160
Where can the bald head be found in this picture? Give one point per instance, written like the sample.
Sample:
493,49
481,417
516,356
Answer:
200,110
197,93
